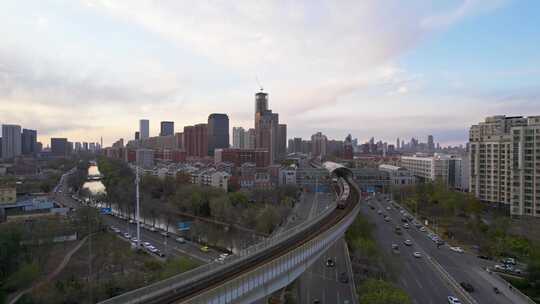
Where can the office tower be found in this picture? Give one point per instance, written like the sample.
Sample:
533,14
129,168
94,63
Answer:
430,143
144,128
318,145
59,146
196,140
397,143
266,127
239,135
504,156
28,139
348,152
218,132
431,168
249,139
11,141
0,148
296,146
78,146
167,128
282,141
85,146
137,135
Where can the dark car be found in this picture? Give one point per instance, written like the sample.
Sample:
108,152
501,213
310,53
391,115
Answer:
467,286
496,290
343,278
330,263
485,257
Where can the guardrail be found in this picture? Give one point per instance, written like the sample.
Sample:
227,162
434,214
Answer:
513,289
175,282
289,265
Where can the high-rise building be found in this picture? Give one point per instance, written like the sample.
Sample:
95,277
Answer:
167,128
430,143
196,140
440,167
282,141
59,146
137,135
397,143
85,146
144,128
11,141
28,141
218,132
348,152
239,135
267,128
318,145
249,139
504,156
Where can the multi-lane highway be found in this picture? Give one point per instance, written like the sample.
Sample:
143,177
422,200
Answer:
329,279
167,245
433,277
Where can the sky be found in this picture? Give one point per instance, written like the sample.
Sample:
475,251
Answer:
92,68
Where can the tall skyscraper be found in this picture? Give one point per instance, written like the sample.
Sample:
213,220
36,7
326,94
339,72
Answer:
144,128
348,152
397,143
29,140
282,141
137,135
504,157
59,146
430,143
249,139
239,135
267,127
318,145
11,141
167,128
218,132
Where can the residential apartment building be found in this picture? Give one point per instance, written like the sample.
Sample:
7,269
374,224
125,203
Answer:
11,141
505,162
440,167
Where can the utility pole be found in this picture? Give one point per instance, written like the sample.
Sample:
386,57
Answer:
137,210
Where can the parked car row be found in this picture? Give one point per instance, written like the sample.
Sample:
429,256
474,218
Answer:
146,245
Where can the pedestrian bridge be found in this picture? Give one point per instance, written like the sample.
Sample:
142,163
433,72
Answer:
259,270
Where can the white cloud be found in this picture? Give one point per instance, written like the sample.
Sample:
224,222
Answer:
321,59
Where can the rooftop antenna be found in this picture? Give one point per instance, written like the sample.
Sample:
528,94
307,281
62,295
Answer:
259,83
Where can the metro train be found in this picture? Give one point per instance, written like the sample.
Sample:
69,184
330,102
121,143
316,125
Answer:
344,195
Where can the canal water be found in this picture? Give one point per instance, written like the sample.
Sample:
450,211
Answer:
208,233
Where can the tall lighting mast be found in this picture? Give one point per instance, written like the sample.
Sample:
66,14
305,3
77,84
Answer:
137,207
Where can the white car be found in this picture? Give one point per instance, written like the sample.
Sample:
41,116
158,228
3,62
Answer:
146,244
500,267
407,242
423,229
127,235
417,254
456,249
453,300
223,255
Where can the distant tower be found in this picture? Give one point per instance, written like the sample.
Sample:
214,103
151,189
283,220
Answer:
397,143
144,128
218,132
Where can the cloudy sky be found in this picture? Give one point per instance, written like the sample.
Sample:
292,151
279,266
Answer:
85,69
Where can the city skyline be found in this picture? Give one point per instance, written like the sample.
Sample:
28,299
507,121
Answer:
422,72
